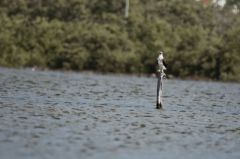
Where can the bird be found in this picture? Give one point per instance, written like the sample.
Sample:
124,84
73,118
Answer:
161,61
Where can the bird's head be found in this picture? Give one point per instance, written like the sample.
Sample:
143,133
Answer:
160,56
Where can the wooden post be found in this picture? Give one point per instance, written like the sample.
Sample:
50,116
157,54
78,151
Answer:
159,91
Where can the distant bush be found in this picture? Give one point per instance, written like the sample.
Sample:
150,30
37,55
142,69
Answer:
94,35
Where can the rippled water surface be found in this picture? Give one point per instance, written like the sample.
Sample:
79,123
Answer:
81,115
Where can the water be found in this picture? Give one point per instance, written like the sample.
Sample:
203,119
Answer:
46,114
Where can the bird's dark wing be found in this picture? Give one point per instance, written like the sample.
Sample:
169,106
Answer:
164,63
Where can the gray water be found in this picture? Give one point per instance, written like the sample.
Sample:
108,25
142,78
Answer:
46,115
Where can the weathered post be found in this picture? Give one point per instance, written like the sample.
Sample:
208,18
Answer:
160,75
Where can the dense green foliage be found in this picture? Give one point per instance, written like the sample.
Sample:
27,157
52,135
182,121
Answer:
198,41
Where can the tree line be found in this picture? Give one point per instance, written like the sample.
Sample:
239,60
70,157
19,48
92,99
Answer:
199,41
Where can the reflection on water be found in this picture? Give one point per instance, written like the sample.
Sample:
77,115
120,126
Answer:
82,115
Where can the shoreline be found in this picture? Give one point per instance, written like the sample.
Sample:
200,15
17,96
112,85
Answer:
147,75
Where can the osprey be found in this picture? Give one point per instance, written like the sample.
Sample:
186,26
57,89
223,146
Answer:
161,61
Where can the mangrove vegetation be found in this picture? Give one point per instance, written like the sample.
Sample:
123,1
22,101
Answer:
199,40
